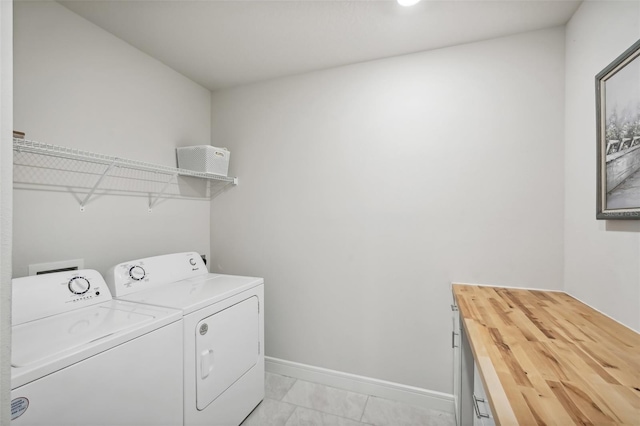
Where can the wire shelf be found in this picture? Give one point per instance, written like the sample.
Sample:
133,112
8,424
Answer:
45,166
92,157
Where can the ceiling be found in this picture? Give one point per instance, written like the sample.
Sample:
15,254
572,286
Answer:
221,44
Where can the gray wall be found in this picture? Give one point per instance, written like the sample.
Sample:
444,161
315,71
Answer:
602,258
79,86
365,190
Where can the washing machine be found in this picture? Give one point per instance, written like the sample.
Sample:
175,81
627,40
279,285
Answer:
81,358
223,317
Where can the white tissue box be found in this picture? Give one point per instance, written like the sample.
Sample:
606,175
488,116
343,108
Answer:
204,158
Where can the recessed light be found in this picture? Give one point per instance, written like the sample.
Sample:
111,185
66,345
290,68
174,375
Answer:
407,3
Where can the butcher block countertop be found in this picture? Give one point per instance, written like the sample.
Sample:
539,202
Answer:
546,358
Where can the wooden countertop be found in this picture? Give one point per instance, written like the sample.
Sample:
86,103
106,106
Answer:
547,358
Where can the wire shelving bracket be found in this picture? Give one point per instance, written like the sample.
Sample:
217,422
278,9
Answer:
152,202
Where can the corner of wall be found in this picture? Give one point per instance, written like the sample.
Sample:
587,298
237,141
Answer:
6,207
601,258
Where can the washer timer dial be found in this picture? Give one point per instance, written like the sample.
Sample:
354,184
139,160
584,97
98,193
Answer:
137,273
79,285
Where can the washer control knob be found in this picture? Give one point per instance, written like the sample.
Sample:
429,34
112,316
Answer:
79,285
192,261
137,273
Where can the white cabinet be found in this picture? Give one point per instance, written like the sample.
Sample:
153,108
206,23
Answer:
482,411
457,373
470,401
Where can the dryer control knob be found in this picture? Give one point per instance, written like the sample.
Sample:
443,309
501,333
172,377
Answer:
79,285
137,273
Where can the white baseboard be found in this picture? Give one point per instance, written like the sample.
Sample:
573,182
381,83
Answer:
366,385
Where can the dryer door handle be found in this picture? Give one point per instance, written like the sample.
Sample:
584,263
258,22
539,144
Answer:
206,364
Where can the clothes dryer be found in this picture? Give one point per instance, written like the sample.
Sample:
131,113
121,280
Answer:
223,331
81,358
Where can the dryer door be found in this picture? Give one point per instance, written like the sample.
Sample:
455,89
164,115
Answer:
227,346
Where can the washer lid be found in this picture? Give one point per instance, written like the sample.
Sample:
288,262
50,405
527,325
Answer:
195,293
42,346
37,340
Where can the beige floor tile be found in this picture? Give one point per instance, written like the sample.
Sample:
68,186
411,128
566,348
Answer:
383,412
277,386
326,399
270,413
307,417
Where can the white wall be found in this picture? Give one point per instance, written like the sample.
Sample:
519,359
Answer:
365,190
79,86
6,122
602,258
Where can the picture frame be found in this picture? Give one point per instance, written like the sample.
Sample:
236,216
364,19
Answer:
618,137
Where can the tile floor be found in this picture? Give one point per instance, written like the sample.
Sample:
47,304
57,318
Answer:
292,402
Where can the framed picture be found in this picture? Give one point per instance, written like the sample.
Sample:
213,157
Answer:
618,126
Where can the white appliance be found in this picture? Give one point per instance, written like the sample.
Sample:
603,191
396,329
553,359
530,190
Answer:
80,358
223,331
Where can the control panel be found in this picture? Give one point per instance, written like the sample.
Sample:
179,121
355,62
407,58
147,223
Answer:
39,296
141,274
